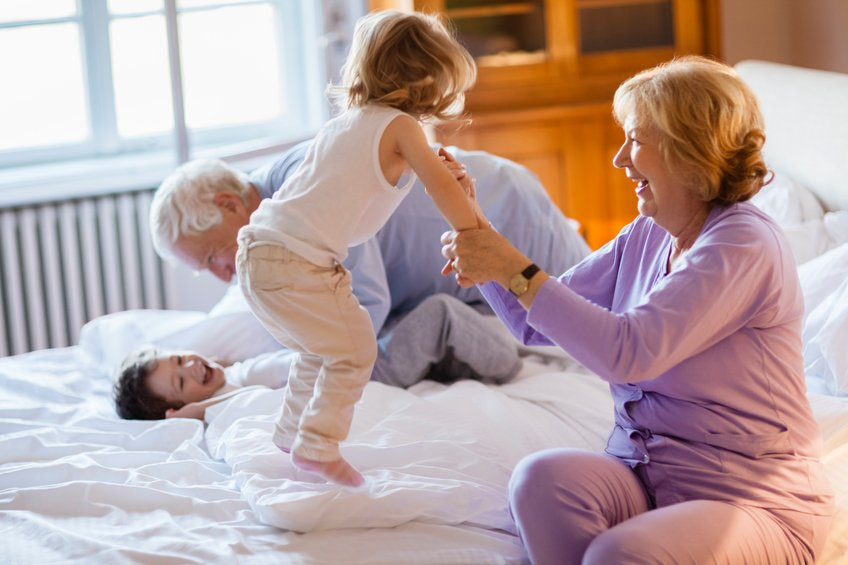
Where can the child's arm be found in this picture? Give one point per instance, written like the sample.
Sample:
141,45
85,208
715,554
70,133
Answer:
269,369
197,410
406,134
467,183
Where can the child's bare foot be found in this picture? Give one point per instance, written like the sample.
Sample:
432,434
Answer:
338,471
282,440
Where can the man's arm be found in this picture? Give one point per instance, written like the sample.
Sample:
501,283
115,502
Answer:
270,177
269,369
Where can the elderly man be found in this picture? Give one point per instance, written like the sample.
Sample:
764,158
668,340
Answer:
198,210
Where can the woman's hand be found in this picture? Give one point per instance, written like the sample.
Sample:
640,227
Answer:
482,255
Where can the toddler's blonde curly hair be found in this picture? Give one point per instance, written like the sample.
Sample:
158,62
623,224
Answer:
407,60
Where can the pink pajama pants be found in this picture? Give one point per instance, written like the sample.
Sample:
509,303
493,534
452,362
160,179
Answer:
311,310
574,506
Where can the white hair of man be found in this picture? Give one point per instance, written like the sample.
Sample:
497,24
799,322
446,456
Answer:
184,202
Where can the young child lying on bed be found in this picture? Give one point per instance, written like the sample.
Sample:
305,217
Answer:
443,339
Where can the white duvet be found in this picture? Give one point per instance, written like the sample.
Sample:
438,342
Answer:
432,454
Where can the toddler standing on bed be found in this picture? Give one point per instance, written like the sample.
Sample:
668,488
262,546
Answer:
402,68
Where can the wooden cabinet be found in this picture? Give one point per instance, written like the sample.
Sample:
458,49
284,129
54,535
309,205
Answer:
547,73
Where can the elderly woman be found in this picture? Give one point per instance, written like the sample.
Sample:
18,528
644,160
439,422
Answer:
693,315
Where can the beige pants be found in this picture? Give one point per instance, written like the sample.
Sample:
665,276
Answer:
311,310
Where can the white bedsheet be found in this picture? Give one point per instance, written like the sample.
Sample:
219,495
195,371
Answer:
432,454
79,485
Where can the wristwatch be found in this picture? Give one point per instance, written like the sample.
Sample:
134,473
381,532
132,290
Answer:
520,282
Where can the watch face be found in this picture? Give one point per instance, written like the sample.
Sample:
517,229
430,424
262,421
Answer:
518,285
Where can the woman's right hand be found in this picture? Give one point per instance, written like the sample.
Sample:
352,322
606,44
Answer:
482,255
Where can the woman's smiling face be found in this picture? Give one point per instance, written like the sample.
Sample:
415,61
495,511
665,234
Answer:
185,377
663,195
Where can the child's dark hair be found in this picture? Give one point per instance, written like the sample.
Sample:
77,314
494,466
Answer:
133,398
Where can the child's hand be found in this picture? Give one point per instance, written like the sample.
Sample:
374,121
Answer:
195,410
459,172
223,362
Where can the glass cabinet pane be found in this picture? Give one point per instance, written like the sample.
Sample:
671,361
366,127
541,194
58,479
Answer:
623,25
499,28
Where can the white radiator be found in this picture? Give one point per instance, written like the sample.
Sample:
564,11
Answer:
63,264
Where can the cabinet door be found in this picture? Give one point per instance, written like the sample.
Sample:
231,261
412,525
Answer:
512,41
635,34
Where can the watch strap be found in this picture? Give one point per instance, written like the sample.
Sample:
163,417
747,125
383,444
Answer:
530,271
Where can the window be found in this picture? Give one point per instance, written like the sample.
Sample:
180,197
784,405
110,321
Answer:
95,79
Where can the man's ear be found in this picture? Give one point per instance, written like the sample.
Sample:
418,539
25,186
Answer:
228,201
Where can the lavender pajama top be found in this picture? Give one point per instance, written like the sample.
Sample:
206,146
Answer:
704,363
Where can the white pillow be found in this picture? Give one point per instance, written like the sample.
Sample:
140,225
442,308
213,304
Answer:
824,282
788,202
233,301
814,238
822,276
826,341
808,240
797,210
836,224
228,337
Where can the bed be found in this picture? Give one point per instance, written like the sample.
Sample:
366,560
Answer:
79,485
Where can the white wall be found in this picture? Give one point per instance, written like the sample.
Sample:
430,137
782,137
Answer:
189,290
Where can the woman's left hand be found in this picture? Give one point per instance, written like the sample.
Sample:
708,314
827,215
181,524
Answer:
482,255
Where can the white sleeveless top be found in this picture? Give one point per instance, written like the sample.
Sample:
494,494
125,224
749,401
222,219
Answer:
339,196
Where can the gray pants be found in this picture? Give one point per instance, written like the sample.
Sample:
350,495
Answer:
445,340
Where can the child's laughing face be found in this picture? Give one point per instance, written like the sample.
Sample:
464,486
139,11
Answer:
185,377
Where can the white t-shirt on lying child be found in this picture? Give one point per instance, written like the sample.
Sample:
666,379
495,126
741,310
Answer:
269,370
